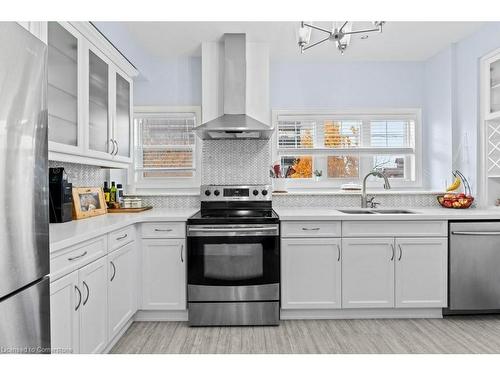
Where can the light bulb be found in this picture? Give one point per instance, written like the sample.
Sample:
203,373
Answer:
303,35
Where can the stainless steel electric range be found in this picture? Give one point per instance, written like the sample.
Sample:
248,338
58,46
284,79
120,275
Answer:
234,257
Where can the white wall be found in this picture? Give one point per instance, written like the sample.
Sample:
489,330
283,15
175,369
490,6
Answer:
437,119
176,82
343,85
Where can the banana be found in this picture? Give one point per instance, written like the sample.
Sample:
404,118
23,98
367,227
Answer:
455,185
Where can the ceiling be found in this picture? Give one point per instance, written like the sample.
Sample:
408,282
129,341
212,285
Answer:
400,41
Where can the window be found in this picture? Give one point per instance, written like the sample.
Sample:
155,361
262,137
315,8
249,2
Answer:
328,148
166,148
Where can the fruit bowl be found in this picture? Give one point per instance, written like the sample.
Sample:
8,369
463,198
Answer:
455,200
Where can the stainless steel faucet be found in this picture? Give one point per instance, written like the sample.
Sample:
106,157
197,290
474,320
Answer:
387,185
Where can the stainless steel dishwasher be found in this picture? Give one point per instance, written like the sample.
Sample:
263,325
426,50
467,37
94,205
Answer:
474,268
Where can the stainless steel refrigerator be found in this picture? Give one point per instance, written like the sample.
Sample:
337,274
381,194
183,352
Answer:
24,216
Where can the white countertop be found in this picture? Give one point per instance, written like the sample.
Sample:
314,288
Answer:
67,234
437,213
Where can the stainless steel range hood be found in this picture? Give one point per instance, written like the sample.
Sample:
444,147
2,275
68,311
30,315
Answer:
235,123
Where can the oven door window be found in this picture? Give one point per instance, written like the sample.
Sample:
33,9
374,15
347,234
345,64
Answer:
233,261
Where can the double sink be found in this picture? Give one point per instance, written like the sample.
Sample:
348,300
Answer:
374,211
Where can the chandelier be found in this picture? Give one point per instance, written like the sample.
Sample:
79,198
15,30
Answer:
340,35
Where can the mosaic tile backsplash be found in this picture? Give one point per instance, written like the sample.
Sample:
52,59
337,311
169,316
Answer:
333,201
241,162
82,174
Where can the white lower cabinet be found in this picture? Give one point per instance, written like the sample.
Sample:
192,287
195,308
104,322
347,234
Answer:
94,307
310,273
421,272
122,288
65,300
368,272
78,309
163,274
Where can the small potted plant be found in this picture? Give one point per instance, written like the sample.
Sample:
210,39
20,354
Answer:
318,174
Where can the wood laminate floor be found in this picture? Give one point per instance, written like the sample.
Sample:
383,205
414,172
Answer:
450,335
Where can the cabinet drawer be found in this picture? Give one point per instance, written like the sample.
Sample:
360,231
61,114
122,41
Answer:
74,257
120,237
164,230
391,228
310,229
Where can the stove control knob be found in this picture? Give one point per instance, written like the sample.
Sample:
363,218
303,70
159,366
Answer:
264,192
207,193
255,192
216,192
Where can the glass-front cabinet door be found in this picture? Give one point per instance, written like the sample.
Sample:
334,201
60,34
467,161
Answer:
494,87
62,90
99,109
123,116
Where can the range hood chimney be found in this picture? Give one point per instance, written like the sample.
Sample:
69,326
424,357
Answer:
235,123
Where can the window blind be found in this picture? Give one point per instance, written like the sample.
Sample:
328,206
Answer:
167,144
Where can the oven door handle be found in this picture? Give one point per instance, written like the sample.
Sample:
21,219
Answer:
230,229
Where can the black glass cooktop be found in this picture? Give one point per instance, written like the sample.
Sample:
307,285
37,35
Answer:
232,216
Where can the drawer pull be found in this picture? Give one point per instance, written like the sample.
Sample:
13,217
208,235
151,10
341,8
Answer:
163,230
122,237
78,256
310,228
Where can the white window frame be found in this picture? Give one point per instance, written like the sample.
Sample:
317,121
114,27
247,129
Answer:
168,185
328,183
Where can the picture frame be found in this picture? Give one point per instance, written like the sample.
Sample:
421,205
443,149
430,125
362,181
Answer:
88,202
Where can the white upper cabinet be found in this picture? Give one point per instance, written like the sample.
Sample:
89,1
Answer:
368,272
90,97
122,123
421,272
62,88
98,110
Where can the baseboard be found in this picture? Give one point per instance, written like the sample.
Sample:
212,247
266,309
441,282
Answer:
161,315
361,314
118,336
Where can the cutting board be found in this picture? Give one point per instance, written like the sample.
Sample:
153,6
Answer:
128,210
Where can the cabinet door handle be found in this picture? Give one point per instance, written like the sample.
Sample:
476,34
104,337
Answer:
79,298
163,230
310,228
393,251
117,148
182,251
78,256
88,293
338,253
114,271
112,152
121,237
400,252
